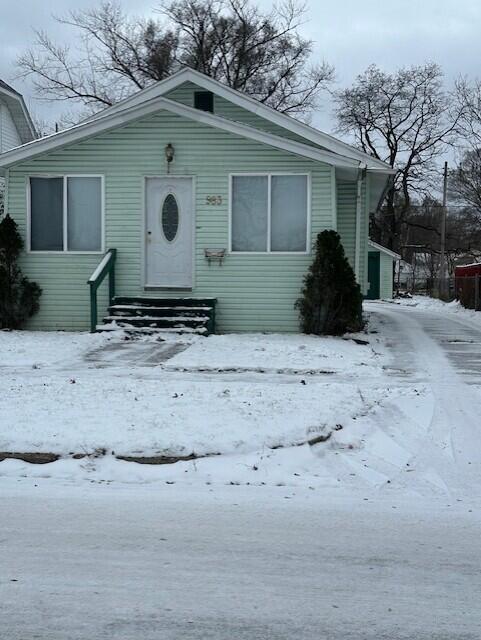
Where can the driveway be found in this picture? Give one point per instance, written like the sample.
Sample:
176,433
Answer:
442,353
442,347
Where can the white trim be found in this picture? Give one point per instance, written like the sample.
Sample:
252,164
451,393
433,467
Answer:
366,232
64,213
250,104
64,176
143,271
334,198
269,213
88,129
382,249
269,175
357,248
5,192
13,95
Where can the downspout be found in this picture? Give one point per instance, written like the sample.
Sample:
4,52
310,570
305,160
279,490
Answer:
357,259
5,190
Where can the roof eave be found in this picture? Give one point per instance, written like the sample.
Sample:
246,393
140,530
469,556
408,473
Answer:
26,128
379,247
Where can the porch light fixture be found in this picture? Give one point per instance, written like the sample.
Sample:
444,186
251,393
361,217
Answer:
169,155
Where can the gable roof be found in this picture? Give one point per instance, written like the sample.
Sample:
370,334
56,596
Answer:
324,140
112,119
151,99
19,112
382,249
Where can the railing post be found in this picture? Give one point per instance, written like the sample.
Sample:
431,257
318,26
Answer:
93,307
112,282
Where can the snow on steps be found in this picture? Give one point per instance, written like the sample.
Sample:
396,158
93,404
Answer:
147,315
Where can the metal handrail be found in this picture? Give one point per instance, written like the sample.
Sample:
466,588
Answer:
105,266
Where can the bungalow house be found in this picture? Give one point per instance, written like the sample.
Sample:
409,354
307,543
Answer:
196,199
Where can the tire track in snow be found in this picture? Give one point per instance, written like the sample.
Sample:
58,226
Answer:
450,447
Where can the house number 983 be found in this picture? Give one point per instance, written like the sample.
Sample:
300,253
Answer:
213,200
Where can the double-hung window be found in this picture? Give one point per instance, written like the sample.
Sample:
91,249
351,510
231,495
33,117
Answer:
269,213
66,213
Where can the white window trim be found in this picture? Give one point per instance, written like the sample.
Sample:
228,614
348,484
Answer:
269,213
65,176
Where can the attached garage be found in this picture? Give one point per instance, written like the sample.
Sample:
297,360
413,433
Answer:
381,263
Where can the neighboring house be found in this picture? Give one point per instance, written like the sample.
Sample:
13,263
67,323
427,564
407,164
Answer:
381,268
404,274
203,192
417,274
16,127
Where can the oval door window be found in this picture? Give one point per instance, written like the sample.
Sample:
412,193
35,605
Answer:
170,217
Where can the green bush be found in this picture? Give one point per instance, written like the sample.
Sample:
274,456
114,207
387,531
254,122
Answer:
331,300
19,298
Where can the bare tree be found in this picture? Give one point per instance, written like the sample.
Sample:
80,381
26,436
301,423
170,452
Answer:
404,119
261,53
422,246
465,181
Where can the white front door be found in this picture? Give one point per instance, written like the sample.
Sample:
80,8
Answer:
169,232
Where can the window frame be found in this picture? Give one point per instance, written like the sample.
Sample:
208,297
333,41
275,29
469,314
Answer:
269,175
65,250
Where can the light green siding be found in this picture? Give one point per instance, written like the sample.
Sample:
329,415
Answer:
226,109
386,276
254,292
346,217
346,226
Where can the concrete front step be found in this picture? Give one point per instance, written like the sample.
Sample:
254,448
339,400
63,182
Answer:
165,302
158,322
162,314
128,328
132,311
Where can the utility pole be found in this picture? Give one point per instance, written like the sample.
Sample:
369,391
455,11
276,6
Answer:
442,261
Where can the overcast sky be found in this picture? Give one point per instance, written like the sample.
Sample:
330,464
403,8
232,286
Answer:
348,34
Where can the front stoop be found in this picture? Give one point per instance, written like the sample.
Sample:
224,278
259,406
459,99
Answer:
177,315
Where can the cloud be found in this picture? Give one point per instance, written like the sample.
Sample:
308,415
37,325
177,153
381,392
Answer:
348,34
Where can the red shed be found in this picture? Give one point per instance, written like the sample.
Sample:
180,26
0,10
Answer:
467,280
468,270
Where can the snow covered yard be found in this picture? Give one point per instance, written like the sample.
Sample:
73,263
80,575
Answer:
80,393
378,412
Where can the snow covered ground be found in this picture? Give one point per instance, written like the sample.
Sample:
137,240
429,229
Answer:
346,502
84,561
357,415
433,305
71,394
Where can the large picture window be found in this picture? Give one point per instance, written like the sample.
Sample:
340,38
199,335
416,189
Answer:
269,213
66,213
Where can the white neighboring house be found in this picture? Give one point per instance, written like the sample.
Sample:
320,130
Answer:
16,126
